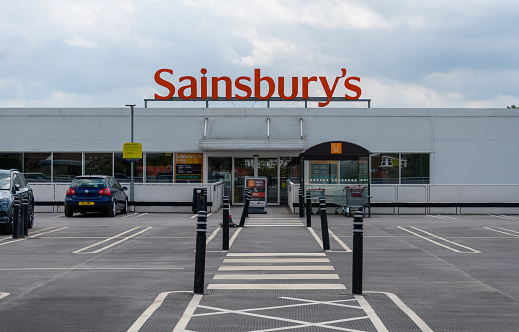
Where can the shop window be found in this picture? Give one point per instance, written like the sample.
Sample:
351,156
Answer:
400,168
159,167
188,167
98,163
66,166
122,169
414,168
37,167
11,160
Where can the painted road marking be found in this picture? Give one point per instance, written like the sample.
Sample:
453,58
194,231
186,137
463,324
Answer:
111,238
346,248
503,231
258,254
278,268
152,308
196,215
440,216
275,286
370,314
38,233
276,260
2,295
470,250
410,313
87,268
502,216
283,276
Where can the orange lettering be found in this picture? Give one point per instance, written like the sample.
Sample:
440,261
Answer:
245,88
257,85
228,87
281,88
191,87
352,87
203,83
168,85
306,82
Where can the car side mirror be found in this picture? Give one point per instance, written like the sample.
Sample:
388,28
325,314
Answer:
16,187
125,188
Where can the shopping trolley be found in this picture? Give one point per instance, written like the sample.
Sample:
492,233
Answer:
354,200
315,194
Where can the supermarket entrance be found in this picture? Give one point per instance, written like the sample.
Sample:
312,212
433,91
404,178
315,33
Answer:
339,171
233,170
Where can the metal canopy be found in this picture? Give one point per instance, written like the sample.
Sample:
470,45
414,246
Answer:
334,150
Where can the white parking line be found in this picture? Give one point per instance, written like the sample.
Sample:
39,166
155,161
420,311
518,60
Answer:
111,238
471,251
38,233
2,295
440,216
212,235
152,308
410,313
503,231
502,216
340,241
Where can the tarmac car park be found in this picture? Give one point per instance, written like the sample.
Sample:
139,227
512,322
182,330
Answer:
135,272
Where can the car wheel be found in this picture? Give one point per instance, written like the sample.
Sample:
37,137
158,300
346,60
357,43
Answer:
68,212
112,212
125,209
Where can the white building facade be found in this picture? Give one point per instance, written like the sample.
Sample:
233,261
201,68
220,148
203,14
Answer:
416,155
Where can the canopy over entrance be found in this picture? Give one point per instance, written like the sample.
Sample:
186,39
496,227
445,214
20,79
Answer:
339,171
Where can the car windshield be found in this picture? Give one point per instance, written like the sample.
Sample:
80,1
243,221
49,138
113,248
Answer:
87,183
5,181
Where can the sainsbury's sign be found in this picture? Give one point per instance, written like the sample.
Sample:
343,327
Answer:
248,87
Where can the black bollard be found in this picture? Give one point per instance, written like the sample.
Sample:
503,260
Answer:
17,226
357,253
245,211
26,216
324,223
308,209
301,204
204,191
225,223
201,229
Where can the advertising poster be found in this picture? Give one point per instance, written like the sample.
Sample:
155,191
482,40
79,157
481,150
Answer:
188,167
258,187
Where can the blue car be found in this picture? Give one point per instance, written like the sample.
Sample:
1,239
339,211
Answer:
13,184
96,193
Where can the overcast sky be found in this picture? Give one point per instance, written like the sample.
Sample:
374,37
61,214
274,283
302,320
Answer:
407,53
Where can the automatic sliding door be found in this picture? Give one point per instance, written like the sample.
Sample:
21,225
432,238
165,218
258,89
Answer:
243,167
268,167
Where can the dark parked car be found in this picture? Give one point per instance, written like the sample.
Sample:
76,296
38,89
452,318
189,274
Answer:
13,184
96,193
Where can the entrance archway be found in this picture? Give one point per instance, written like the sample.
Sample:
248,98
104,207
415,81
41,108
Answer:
340,172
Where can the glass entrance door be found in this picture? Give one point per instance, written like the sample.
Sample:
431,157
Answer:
243,167
268,167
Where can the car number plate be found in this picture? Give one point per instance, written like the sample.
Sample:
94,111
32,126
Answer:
86,203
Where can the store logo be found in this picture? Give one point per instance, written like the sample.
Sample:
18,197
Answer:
336,148
247,86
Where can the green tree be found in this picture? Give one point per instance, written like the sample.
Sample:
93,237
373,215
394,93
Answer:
513,106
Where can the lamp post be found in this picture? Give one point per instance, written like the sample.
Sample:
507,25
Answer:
131,170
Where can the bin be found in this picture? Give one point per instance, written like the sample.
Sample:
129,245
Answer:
199,200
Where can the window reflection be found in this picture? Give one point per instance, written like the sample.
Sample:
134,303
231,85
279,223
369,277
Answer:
36,167
66,166
159,167
98,163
